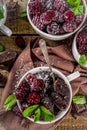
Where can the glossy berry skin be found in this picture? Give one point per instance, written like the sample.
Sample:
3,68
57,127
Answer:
33,98
22,90
68,16
37,85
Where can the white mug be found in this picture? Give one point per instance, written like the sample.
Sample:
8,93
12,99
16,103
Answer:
4,29
67,80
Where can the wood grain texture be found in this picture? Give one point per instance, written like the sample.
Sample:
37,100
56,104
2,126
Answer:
22,27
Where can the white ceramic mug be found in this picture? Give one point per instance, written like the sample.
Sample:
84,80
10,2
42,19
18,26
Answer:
4,29
56,37
67,81
75,52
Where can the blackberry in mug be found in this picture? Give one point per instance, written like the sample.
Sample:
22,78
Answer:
82,41
38,89
50,15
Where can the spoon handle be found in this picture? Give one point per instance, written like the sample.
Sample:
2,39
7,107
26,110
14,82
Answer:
42,45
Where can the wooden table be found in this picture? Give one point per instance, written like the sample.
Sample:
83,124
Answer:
22,27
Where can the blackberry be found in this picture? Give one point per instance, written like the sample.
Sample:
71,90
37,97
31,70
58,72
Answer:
17,111
61,5
30,78
82,49
69,26
82,43
34,7
33,98
53,28
68,16
22,90
82,38
20,42
79,18
37,23
47,17
37,85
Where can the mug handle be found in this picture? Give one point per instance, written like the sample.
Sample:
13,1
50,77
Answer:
5,30
73,76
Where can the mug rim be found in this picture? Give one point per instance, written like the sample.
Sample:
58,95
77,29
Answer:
75,52
45,68
56,37
5,15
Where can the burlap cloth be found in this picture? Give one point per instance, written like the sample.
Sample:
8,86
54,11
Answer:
61,58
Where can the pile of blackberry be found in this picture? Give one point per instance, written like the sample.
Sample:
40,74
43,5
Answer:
82,41
54,16
39,89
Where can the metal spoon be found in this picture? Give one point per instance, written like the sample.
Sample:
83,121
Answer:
42,45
